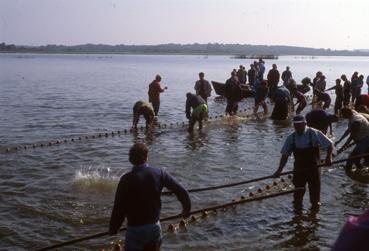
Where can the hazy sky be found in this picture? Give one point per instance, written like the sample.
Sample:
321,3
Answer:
313,23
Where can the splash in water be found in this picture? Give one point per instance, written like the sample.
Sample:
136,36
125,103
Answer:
95,179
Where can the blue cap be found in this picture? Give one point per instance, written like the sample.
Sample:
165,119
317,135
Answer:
299,119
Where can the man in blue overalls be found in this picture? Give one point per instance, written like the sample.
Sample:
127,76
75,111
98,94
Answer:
304,144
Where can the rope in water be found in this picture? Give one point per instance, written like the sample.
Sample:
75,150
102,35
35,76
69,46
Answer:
108,134
263,178
241,201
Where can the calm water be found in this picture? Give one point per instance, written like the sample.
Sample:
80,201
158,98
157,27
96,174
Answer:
67,191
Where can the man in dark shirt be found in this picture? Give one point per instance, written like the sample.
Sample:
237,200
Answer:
199,107
339,96
273,79
286,75
323,98
233,93
138,199
252,75
346,90
321,120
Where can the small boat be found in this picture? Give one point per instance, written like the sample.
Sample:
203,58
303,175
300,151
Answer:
219,89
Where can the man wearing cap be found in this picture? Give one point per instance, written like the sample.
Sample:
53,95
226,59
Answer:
304,143
154,93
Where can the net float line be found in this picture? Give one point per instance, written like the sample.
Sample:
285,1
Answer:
118,133
241,201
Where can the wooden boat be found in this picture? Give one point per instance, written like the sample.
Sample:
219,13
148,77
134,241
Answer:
219,89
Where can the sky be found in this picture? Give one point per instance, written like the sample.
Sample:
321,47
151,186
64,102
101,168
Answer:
335,24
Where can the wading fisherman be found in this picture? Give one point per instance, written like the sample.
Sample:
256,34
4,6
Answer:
323,99
358,129
301,100
138,199
346,90
154,93
199,110
304,144
304,88
339,96
362,99
203,87
261,94
320,119
233,93
145,109
282,99
273,79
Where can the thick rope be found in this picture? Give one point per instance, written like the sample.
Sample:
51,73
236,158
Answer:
265,177
241,201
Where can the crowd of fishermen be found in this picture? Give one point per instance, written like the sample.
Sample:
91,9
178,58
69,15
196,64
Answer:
138,193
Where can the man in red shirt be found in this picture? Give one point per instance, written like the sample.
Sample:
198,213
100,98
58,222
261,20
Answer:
154,93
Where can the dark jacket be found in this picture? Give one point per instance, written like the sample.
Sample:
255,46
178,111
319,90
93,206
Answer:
273,77
138,196
193,101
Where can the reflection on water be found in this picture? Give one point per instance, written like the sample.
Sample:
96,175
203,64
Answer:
301,232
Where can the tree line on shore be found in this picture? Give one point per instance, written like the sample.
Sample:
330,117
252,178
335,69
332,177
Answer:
171,48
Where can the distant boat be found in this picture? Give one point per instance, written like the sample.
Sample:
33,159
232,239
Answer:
219,89
255,57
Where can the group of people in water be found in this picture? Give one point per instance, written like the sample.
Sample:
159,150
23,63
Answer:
138,192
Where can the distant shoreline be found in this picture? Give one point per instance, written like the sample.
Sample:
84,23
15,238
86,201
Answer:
170,54
210,49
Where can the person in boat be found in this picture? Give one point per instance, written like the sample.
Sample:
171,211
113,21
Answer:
346,90
251,75
137,198
242,75
358,131
154,93
320,119
338,88
304,143
261,94
145,109
203,87
286,75
323,98
199,110
233,93
273,79
282,99
301,100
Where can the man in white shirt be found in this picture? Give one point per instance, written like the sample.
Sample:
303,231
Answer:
304,144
